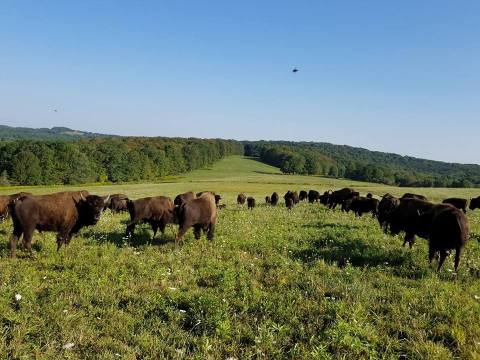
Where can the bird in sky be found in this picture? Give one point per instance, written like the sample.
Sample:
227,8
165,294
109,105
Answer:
295,70
55,110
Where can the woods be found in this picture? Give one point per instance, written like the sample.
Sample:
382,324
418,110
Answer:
28,162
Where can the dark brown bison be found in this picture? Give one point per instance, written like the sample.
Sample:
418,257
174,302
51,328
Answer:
155,211
241,198
325,198
405,218
459,203
413,196
447,230
475,203
250,202
340,196
289,203
118,203
199,213
182,198
5,200
313,195
268,200
303,195
385,208
65,213
293,195
274,198
370,195
361,205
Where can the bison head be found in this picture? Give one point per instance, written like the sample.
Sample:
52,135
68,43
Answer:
90,208
474,203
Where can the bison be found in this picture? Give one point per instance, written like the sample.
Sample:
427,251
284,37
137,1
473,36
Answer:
447,230
155,211
325,198
475,203
182,198
385,208
459,203
7,199
250,203
65,213
274,198
303,195
405,218
340,196
118,203
268,200
199,213
361,205
241,198
413,196
313,195
293,195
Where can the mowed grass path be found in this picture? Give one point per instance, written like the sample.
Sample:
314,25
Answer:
307,283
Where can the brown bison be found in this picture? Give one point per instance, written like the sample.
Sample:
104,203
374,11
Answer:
303,195
241,198
361,205
340,196
447,230
385,208
292,195
274,199
5,200
313,195
459,203
199,213
289,203
65,213
268,200
475,203
182,198
405,218
325,198
413,196
118,203
250,202
155,211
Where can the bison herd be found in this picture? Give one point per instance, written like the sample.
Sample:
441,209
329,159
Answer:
444,225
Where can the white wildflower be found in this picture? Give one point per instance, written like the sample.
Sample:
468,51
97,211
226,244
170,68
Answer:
18,297
68,346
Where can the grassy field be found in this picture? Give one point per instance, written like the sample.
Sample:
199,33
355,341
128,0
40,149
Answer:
307,283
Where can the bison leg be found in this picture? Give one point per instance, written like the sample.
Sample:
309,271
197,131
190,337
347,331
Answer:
155,229
130,228
410,238
27,240
443,255
458,252
181,234
431,254
197,231
13,242
211,231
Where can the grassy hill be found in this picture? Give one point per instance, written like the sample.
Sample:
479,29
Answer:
307,283
54,133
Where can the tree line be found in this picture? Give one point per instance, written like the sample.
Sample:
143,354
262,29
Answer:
119,159
342,161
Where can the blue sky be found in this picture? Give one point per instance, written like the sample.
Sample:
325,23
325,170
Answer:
397,76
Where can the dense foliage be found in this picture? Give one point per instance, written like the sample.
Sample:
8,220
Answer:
29,162
361,164
55,133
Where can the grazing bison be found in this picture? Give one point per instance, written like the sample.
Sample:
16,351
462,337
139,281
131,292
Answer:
155,211
405,218
5,200
293,195
325,198
289,203
182,198
447,230
313,195
459,203
241,198
268,200
475,203
361,205
340,196
250,202
385,208
65,213
303,195
201,213
274,198
118,203
413,196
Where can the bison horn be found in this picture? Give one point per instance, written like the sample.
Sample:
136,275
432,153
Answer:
81,196
106,199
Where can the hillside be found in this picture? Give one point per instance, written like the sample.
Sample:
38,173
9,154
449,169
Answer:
55,133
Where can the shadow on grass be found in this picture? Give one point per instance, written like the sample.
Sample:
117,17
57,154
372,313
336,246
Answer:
322,225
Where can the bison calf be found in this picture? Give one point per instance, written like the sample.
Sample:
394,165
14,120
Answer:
155,211
118,203
250,203
274,199
241,198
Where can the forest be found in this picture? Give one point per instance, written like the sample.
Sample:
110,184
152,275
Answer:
361,164
111,159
